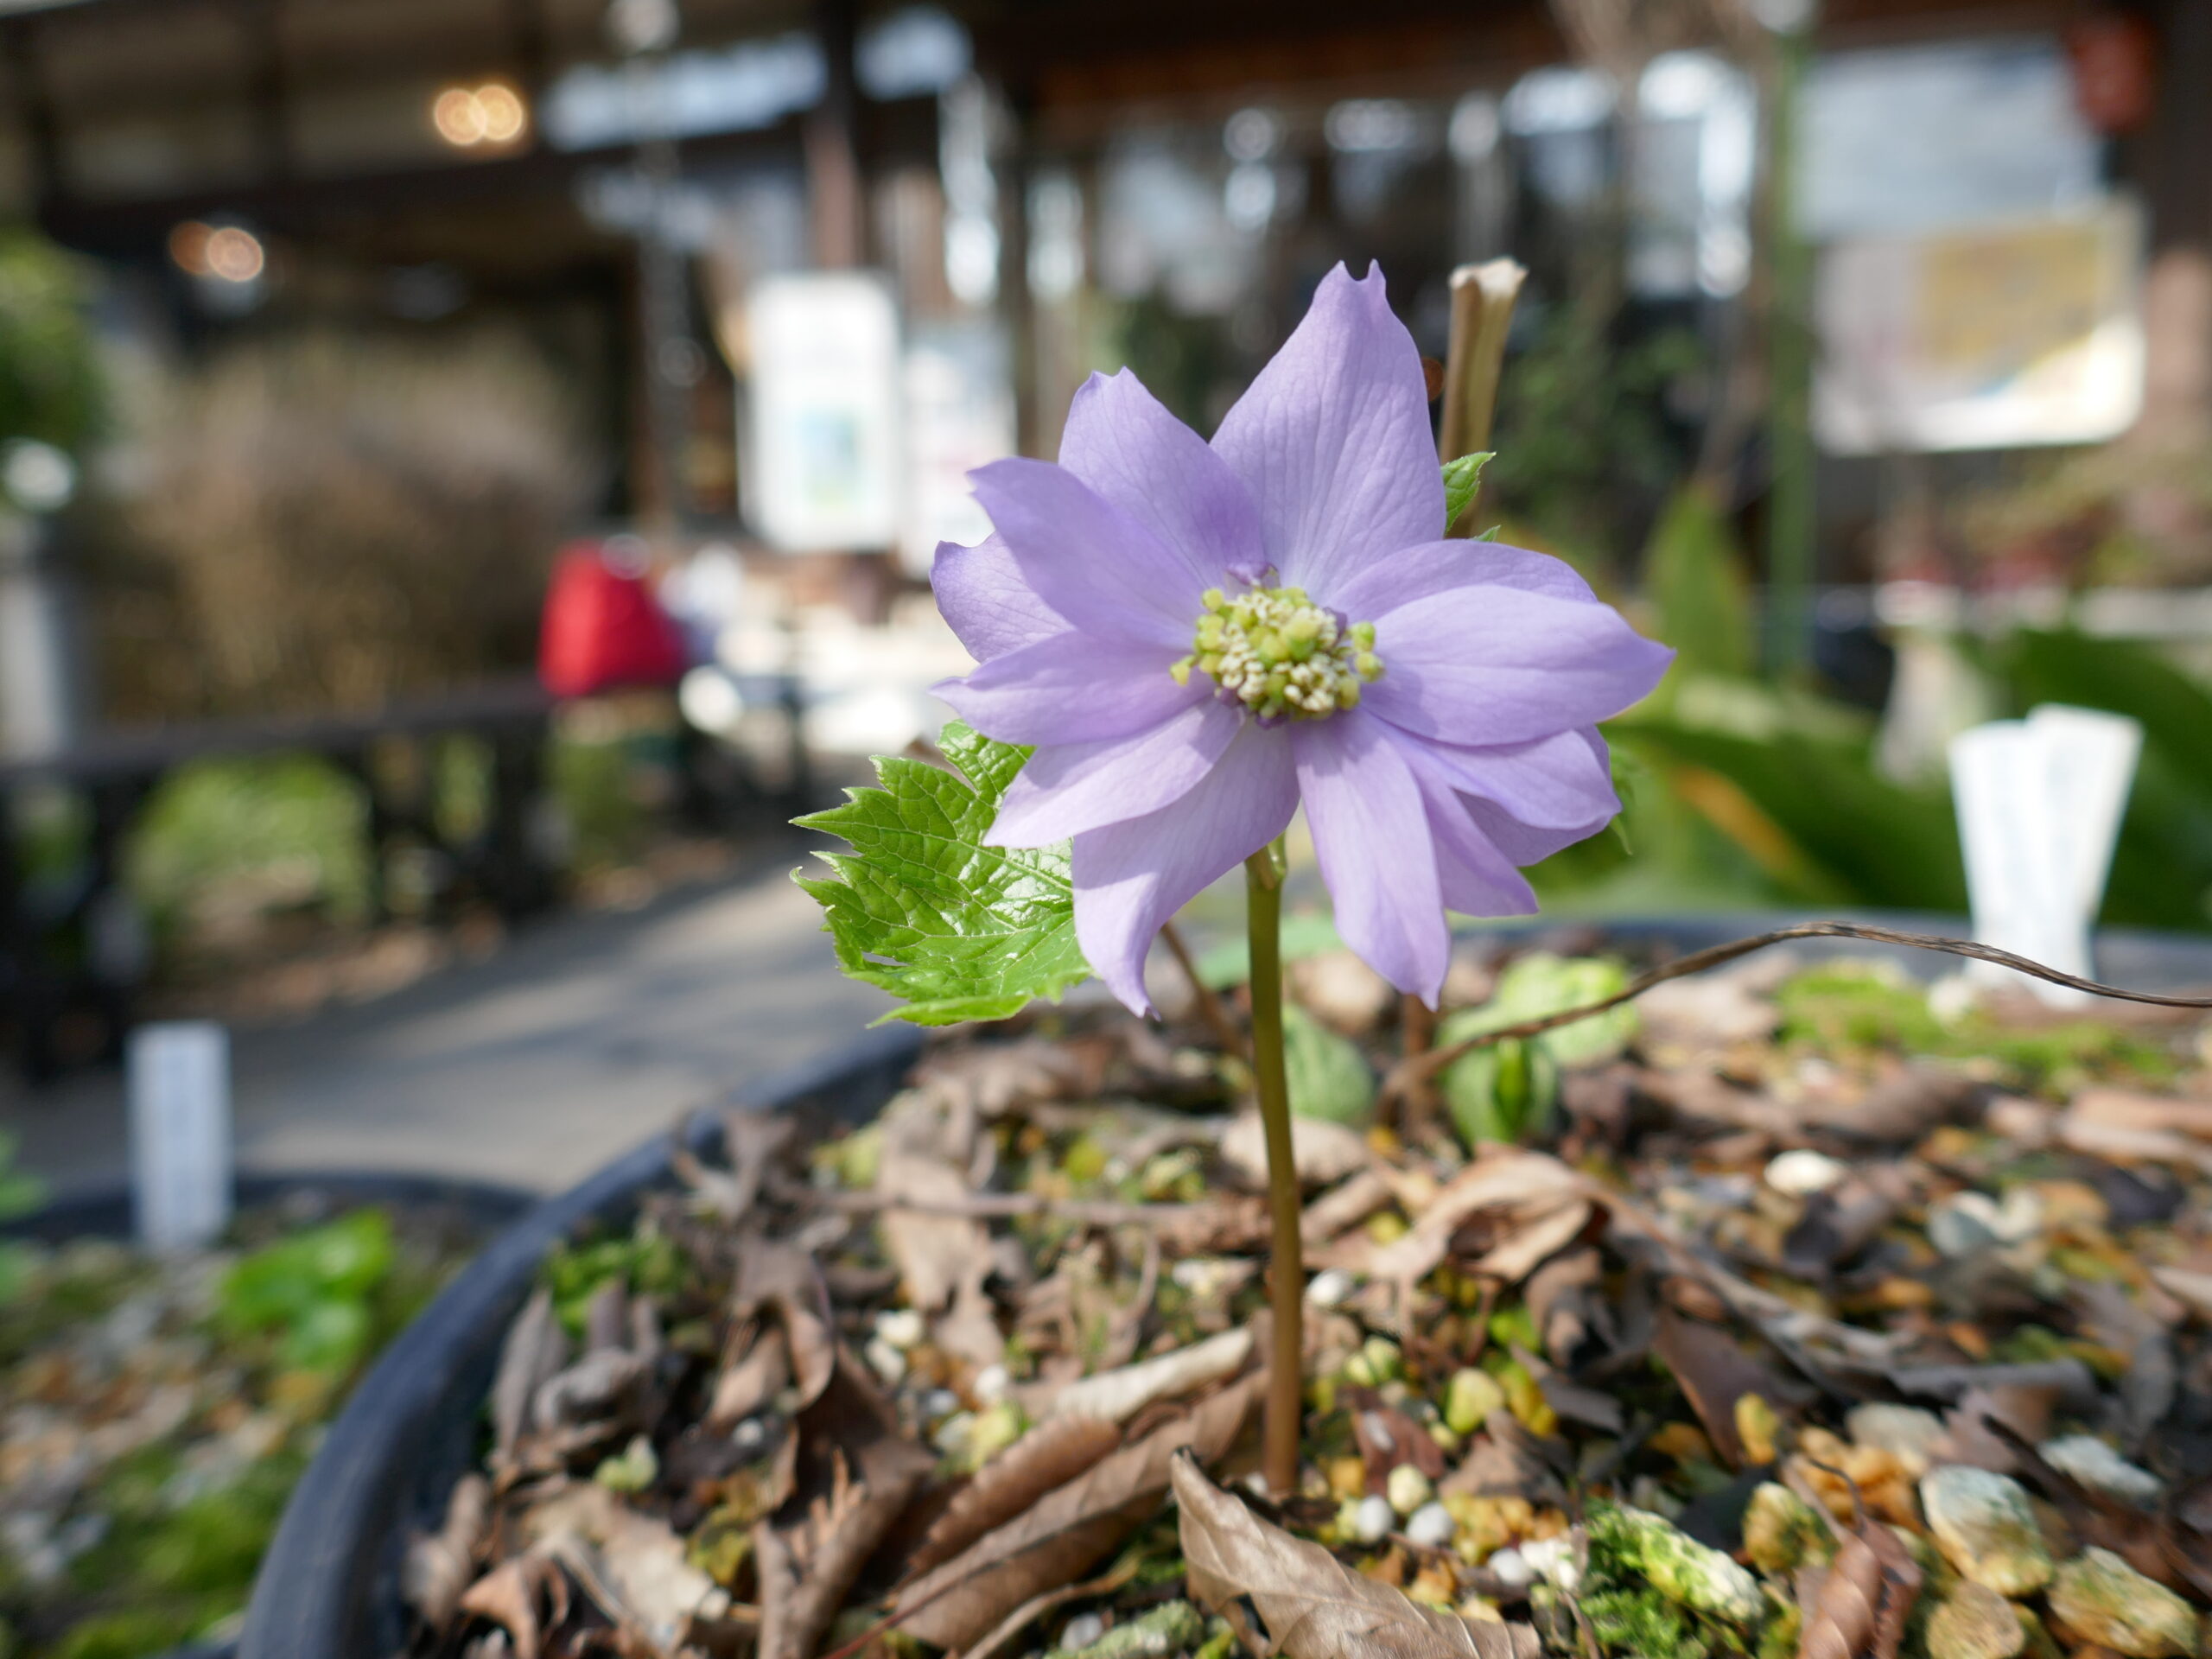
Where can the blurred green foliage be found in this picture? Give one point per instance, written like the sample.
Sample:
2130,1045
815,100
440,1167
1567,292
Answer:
1328,1076
315,1292
643,1261
51,386
20,1194
1851,1006
1506,1090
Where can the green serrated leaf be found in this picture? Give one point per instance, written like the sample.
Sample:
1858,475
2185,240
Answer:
1463,480
956,930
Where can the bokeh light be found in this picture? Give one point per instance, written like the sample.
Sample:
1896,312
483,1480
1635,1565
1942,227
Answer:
493,113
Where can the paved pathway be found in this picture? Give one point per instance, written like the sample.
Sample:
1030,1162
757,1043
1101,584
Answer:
581,1037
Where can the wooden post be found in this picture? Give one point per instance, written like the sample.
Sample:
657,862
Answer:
833,167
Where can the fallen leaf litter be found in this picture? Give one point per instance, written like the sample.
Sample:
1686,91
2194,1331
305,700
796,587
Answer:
1816,1315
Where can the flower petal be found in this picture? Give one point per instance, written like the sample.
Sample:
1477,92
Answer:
1121,440
981,592
1332,440
1072,787
1476,876
1086,558
1071,688
1549,783
1521,843
1417,573
1130,877
1490,665
1371,835
1474,871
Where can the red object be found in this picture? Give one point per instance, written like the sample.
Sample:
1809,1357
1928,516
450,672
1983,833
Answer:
2115,59
603,628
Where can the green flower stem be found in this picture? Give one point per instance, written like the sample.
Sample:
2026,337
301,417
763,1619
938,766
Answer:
1286,1283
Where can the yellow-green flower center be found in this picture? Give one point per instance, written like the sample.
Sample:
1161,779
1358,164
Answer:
1280,655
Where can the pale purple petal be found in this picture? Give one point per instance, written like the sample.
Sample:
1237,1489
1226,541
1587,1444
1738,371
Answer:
1332,440
1522,844
982,594
1131,878
1417,573
1371,838
1491,666
1122,442
1550,782
1072,787
1474,875
1086,558
1071,688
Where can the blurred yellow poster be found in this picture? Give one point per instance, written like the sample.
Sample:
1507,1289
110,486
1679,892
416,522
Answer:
2025,332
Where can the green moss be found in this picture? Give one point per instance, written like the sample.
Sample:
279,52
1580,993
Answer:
1652,1592
1848,1006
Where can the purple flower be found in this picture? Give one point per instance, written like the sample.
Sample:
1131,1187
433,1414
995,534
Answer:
1198,637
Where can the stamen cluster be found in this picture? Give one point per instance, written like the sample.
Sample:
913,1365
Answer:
1280,655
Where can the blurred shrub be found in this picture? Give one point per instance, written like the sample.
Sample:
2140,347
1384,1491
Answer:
50,383
334,521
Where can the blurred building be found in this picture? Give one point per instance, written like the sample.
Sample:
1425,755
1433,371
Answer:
1050,186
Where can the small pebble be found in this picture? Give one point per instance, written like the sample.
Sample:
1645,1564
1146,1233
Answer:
1511,1568
884,1360
1974,1623
1082,1630
2102,1597
990,1385
2096,1465
1803,1171
1407,1488
1984,1526
749,1436
901,1327
1372,1521
1553,1559
1333,1288
1470,1399
1906,1433
939,1403
1430,1526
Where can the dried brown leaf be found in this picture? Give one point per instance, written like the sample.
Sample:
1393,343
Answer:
1346,1204
1115,1397
1714,1373
438,1566
1050,1455
1285,1596
1070,1528
1535,1232
1571,1399
777,1277
1502,1179
934,1254
1861,1609
1322,1151
525,1595
533,1356
752,1382
856,1475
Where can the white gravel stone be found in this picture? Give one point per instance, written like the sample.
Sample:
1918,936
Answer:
902,1327
1509,1567
2093,1462
1332,1288
1372,1521
1430,1526
1803,1172
1081,1631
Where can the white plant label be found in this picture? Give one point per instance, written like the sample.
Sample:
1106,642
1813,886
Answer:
2039,803
180,1089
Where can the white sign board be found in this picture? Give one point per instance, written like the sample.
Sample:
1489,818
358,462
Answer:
2028,333
2039,803
959,416
180,1089
823,456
